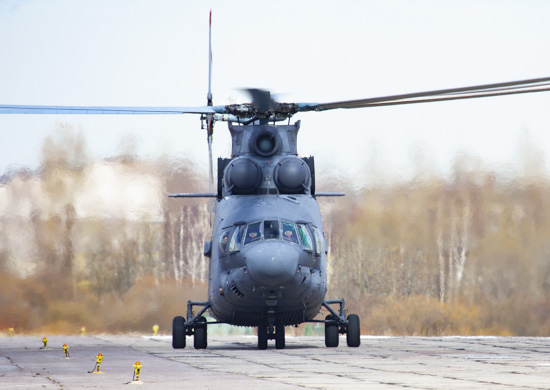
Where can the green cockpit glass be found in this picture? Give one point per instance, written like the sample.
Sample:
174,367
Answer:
252,233
289,232
305,237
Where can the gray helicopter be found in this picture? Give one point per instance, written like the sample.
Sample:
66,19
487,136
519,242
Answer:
268,250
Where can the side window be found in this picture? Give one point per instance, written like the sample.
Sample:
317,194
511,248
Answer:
224,244
235,241
319,241
271,230
252,233
306,237
289,232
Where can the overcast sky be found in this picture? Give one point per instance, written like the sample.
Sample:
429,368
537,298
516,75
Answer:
155,53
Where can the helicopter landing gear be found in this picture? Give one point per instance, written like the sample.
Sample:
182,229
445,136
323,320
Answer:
262,336
268,331
200,339
280,336
331,331
178,332
194,326
353,331
338,323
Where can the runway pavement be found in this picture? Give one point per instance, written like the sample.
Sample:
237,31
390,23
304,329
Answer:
235,363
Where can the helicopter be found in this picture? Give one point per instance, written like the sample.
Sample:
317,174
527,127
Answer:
267,251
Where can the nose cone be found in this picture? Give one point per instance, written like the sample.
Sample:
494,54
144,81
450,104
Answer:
272,264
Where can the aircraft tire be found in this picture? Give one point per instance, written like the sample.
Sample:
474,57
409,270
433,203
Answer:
178,332
262,336
331,333
280,337
353,334
200,340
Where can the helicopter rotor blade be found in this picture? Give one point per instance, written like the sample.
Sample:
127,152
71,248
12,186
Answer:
108,110
210,119
261,99
487,90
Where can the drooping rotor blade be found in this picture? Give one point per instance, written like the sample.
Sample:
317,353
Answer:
477,91
209,94
210,120
108,110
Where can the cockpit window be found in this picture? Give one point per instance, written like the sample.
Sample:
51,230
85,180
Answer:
305,236
224,242
319,241
289,232
236,237
271,230
252,233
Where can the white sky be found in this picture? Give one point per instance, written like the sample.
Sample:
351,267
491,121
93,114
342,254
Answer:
155,53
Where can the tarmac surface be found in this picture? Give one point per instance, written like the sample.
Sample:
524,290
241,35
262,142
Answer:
234,362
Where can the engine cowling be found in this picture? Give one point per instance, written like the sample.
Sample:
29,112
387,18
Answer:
292,176
242,176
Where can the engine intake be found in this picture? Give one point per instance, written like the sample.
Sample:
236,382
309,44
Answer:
265,143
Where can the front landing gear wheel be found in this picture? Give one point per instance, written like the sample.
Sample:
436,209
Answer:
262,336
178,332
200,338
280,337
353,334
331,332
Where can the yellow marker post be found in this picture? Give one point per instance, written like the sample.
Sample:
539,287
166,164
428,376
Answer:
137,371
66,350
98,360
45,341
83,331
155,329
11,332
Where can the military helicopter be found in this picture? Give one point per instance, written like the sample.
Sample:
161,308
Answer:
267,250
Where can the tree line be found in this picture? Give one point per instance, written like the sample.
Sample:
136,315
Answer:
98,243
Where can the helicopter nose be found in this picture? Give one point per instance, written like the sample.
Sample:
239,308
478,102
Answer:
272,264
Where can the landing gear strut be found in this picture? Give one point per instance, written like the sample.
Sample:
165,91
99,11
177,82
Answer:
195,326
338,323
269,330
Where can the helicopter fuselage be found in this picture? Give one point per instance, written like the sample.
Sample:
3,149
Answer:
267,257
267,250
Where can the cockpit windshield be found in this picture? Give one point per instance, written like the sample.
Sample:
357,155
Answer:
305,236
271,230
308,237
289,232
252,233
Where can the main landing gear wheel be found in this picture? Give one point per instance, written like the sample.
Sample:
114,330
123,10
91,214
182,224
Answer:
200,338
331,332
280,337
353,333
262,336
178,332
